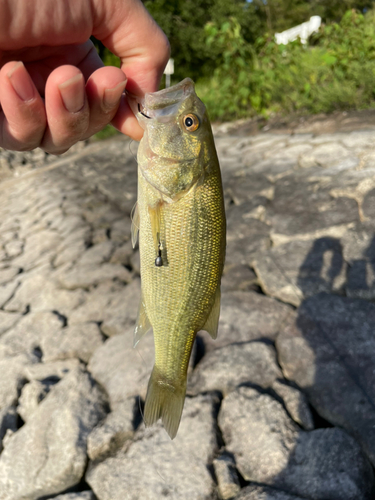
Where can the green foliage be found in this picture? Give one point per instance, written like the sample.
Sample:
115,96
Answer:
336,71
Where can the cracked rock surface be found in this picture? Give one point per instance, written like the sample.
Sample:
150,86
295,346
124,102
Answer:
279,407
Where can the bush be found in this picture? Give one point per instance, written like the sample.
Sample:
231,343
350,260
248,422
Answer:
336,70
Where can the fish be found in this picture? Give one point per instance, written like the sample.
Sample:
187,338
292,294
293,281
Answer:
180,219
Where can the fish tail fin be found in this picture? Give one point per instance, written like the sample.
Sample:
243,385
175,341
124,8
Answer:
165,401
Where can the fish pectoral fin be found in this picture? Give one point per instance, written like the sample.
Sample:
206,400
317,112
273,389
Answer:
135,223
212,322
142,325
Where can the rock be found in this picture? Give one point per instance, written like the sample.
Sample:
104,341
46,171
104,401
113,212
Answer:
329,351
177,470
112,433
301,269
121,230
264,493
8,421
41,294
122,310
225,368
76,341
7,274
37,244
83,495
296,404
123,254
122,370
97,254
7,320
12,379
84,276
27,334
56,432
56,369
7,291
238,277
246,316
32,394
259,433
270,449
96,303
226,475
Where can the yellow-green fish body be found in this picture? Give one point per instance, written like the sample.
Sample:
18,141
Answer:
181,222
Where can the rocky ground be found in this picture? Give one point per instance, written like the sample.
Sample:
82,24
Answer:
279,407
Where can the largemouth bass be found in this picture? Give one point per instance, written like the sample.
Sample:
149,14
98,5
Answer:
181,220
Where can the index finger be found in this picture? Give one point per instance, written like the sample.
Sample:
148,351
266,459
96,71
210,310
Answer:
128,30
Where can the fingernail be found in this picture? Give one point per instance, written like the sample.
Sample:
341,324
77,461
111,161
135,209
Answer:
73,93
112,97
21,82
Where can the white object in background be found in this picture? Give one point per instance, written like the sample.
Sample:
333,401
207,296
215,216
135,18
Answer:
303,31
169,70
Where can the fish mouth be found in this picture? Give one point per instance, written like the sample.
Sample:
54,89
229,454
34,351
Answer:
162,104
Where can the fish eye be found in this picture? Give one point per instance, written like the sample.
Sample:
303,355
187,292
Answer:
191,122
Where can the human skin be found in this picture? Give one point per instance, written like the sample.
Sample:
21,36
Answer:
54,90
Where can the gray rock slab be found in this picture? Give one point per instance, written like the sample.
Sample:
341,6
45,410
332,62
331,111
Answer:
154,467
254,492
36,245
97,254
225,368
28,333
12,379
122,310
7,274
8,421
296,404
41,294
325,464
84,276
238,277
7,320
31,395
83,495
121,230
226,476
56,433
259,433
301,269
290,214
117,428
246,316
329,352
56,369
76,341
96,302
7,291
122,370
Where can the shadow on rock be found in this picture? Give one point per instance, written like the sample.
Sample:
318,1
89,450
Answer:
329,352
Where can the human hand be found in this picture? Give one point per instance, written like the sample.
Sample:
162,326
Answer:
54,90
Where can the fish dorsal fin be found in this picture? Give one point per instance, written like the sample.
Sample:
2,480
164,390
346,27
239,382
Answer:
212,322
142,325
135,223
154,212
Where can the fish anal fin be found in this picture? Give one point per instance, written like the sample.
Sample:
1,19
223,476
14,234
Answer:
143,324
165,401
135,224
212,322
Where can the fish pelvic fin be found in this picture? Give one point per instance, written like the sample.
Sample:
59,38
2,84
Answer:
212,323
165,401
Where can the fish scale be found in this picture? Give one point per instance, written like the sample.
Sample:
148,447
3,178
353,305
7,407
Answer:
180,206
